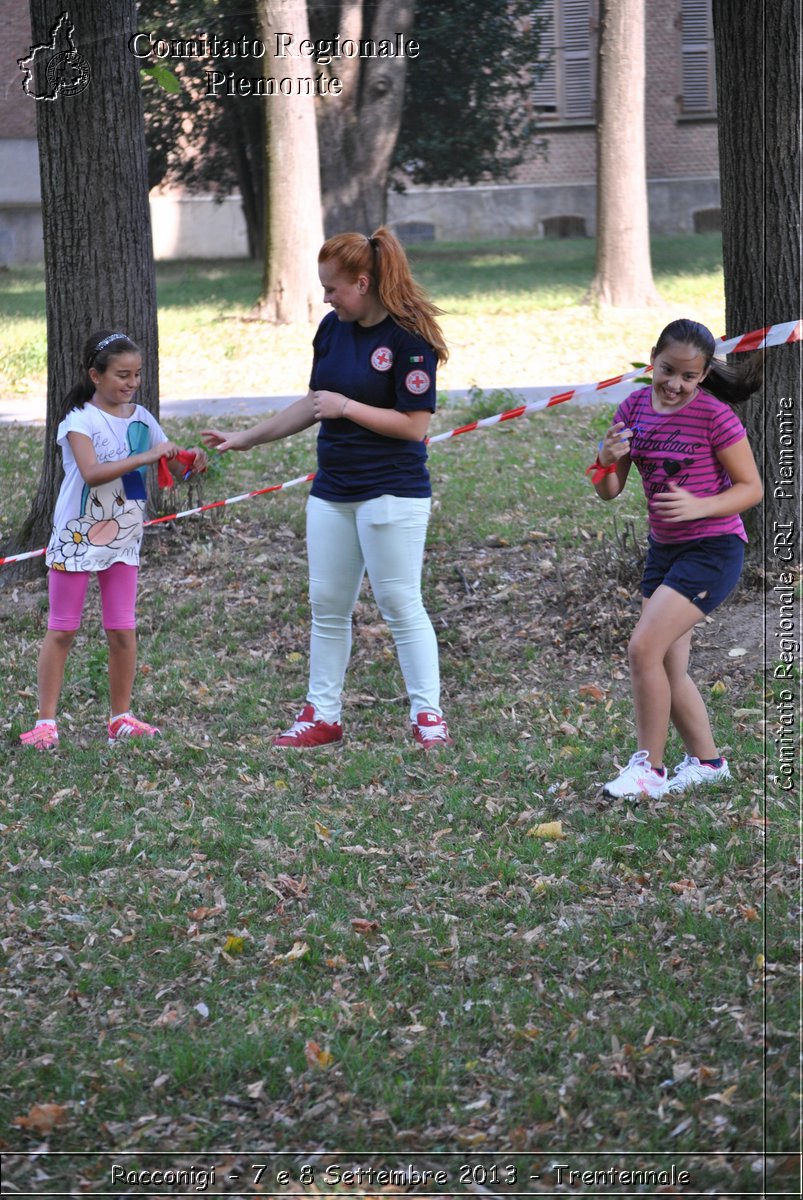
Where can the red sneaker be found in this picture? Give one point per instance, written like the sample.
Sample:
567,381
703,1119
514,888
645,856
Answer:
431,731
306,733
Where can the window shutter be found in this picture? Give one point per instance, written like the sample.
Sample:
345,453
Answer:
545,90
578,78
697,56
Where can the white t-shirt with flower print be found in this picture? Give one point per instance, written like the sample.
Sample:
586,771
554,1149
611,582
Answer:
95,527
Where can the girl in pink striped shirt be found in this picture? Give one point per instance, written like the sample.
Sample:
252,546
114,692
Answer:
698,474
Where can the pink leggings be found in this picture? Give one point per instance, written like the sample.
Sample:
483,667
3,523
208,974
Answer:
118,594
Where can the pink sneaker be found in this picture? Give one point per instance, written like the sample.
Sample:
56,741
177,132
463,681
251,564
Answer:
431,731
44,736
307,733
126,726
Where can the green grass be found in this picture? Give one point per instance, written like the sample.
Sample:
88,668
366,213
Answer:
525,297
601,992
510,276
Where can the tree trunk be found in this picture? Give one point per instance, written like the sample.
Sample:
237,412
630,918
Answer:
758,50
623,274
359,128
250,179
294,227
97,233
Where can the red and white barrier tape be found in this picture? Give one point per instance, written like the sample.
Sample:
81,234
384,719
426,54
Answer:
758,339
190,512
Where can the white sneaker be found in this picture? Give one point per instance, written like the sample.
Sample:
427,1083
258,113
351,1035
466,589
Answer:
637,778
691,772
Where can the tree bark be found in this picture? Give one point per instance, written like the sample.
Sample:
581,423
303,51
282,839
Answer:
623,272
99,269
294,226
758,49
358,129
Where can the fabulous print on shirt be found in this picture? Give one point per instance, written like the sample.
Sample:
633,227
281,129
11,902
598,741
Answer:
680,448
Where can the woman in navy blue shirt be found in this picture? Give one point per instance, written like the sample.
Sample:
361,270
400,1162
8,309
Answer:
372,388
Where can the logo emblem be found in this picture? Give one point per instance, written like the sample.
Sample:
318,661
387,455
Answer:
68,73
382,359
417,382
55,68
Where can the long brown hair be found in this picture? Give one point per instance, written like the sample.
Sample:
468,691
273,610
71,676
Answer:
382,258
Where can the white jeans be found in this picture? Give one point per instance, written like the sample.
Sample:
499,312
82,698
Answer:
385,536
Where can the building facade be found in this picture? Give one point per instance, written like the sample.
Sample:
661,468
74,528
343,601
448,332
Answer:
552,194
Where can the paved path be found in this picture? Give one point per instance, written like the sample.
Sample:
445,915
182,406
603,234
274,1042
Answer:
217,408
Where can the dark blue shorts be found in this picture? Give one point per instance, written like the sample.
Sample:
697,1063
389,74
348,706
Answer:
705,571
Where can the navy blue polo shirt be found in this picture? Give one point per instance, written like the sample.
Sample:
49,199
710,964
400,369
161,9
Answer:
387,367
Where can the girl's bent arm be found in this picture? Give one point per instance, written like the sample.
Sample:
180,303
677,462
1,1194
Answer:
408,426
610,486
746,489
294,418
95,473
614,448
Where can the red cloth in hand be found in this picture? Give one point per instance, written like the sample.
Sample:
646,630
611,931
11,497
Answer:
164,476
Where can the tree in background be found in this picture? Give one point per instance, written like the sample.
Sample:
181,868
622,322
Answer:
758,50
623,275
358,130
468,107
410,119
290,290
210,144
97,232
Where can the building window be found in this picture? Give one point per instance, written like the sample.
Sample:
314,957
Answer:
565,85
697,58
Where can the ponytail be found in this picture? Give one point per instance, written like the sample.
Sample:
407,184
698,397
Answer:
98,350
733,383
382,258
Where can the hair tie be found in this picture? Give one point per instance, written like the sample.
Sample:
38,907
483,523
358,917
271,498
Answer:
373,243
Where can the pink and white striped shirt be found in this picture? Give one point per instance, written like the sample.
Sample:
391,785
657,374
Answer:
681,447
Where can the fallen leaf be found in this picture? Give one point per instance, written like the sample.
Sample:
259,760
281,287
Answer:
299,949
682,885
592,691
724,1097
203,914
470,1137
364,926
550,830
718,688
234,945
43,1118
323,833
318,1057
298,887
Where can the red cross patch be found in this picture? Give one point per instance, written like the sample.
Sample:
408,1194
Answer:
382,359
417,382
